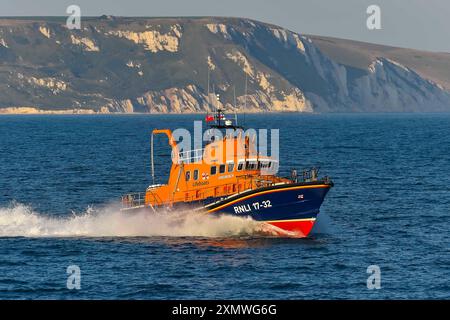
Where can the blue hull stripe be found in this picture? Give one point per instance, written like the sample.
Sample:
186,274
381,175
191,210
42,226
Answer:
286,203
283,202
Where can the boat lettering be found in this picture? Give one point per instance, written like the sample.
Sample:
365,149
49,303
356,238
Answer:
228,176
200,183
263,204
266,204
254,206
242,208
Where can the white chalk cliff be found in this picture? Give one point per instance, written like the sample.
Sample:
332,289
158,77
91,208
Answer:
161,65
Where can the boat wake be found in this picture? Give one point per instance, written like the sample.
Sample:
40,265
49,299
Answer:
19,220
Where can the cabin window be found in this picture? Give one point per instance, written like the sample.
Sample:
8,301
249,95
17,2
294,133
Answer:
230,167
188,175
240,165
213,170
222,168
196,174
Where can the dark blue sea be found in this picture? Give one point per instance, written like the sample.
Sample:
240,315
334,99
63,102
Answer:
61,178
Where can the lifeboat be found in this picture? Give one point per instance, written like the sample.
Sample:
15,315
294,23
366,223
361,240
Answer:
229,176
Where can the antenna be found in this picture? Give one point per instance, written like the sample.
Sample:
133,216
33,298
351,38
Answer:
235,114
153,165
217,99
208,98
245,97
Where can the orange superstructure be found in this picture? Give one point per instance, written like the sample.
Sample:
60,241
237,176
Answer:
229,166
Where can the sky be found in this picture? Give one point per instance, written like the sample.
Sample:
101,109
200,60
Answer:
418,24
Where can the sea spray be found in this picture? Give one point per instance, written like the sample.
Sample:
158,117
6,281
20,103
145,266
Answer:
19,220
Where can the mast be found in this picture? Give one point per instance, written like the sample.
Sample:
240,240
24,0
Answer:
235,113
208,98
245,97
153,164
214,93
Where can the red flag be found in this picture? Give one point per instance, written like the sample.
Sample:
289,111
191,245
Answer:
209,118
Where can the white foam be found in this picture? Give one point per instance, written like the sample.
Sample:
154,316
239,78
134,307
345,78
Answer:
19,220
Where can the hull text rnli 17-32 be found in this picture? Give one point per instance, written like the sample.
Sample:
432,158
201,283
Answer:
229,176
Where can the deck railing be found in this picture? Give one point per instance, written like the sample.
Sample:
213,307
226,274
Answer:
133,200
190,156
137,200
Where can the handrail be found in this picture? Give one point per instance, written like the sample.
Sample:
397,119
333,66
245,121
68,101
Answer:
190,156
138,200
133,200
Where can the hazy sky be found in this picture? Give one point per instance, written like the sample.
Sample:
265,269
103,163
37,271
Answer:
420,24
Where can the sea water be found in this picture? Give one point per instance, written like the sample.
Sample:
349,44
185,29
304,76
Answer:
61,178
